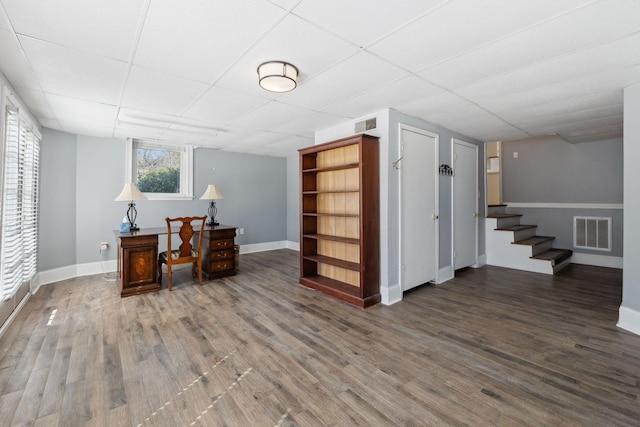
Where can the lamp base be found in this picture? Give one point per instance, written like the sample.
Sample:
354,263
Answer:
134,228
212,223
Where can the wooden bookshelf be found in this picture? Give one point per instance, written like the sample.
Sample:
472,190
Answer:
340,219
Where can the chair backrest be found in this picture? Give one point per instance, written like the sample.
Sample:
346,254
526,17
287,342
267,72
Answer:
186,232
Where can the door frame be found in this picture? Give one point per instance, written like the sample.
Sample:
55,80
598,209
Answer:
455,141
436,137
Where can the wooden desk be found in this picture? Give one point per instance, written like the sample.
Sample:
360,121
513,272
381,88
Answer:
138,256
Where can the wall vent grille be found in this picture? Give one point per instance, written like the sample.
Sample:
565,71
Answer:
592,233
365,125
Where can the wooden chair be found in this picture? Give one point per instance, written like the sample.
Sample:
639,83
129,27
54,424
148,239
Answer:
185,253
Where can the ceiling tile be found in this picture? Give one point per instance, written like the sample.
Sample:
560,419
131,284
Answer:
306,125
569,117
615,55
14,64
4,20
351,77
563,106
374,19
36,98
72,110
460,26
159,92
220,105
391,95
199,39
543,42
271,115
431,106
83,128
593,84
74,74
104,28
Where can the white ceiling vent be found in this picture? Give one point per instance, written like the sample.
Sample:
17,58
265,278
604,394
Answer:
365,125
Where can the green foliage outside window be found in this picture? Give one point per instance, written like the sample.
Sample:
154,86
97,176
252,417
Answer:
165,180
158,170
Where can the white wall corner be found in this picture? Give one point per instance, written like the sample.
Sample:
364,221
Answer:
390,294
35,284
445,274
629,319
480,262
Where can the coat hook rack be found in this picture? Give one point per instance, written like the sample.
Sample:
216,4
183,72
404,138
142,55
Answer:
446,170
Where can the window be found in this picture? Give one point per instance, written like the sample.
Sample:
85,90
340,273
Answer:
160,171
19,213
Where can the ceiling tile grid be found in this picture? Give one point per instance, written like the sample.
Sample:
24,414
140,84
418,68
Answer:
186,72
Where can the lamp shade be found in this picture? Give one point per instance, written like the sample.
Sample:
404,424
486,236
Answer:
212,193
130,192
277,76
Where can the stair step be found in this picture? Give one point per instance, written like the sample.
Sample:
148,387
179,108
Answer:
499,216
534,240
518,227
556,256
495,209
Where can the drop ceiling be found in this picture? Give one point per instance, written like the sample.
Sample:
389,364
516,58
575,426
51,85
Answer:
185,71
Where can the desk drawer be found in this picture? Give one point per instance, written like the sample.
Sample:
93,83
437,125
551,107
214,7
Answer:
221,265
221,244
220,255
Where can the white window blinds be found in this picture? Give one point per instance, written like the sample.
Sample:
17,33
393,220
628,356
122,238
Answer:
19,231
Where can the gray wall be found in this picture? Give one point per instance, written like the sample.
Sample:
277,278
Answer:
57,216
74,222
550,170
631,264
293,196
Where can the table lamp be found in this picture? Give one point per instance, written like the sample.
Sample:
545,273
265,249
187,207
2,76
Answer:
212,193
130,193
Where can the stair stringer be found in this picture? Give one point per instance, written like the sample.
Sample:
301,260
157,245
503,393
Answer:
502,253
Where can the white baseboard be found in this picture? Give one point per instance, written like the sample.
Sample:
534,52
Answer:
13,315
390,294
268,246
63,273
629,319
597,260
481,261
293,245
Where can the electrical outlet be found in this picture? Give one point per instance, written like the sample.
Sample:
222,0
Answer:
104,246
241,230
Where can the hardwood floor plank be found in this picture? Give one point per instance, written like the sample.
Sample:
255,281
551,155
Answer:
54,388
492,346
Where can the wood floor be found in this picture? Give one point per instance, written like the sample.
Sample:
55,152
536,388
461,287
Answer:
491,347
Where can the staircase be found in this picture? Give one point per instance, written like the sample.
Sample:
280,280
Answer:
514,245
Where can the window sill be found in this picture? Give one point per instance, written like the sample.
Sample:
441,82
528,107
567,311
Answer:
166,197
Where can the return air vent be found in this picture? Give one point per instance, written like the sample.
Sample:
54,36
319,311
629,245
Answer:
592,233
365,125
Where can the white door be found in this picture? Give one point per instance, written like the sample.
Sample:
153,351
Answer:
465,204
418,209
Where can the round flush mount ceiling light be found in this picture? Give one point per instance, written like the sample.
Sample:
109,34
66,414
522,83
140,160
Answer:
277,76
